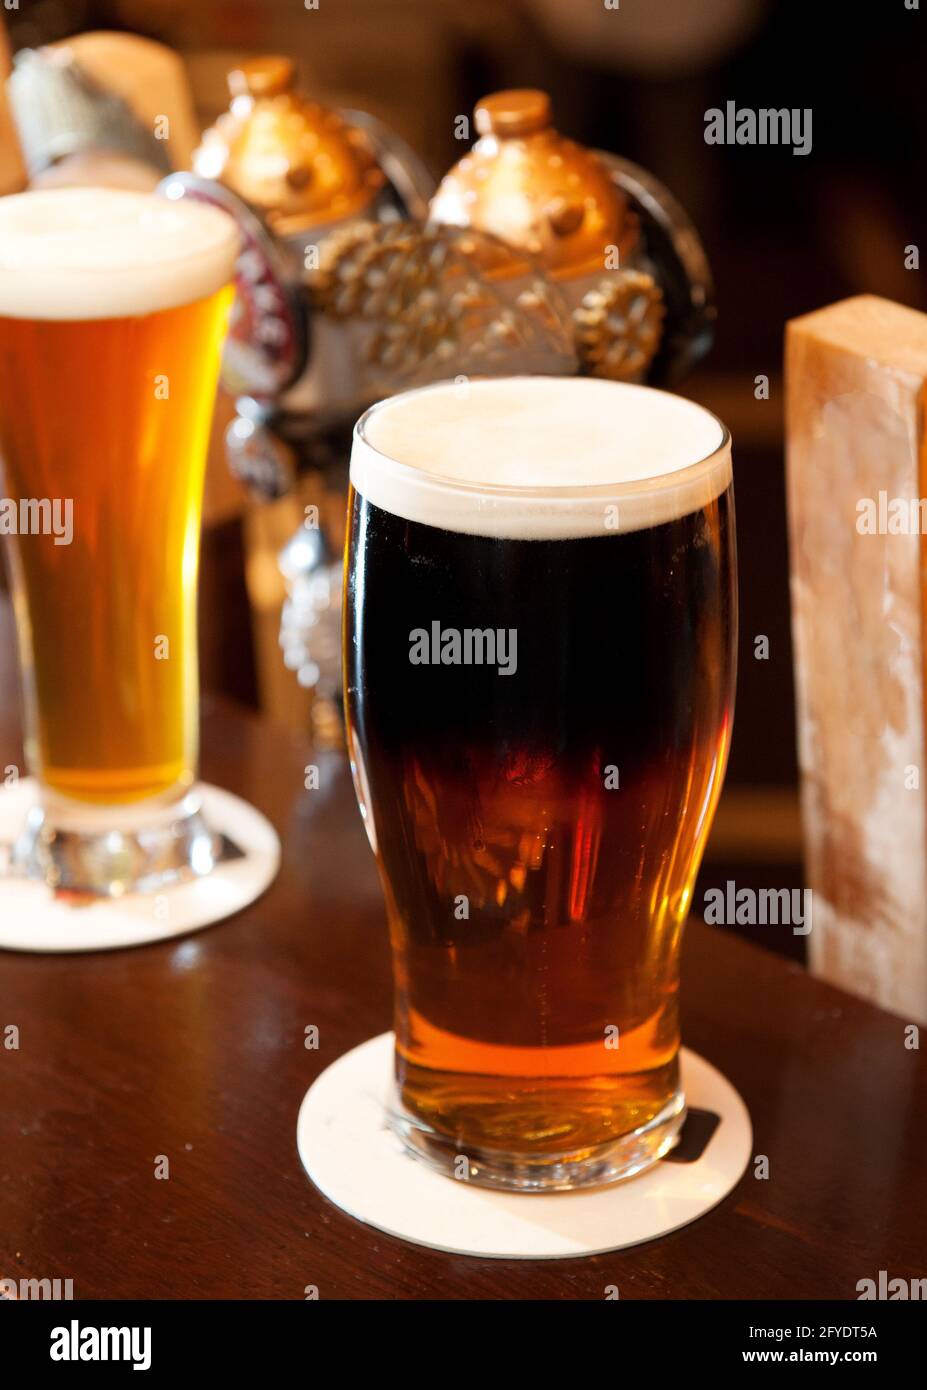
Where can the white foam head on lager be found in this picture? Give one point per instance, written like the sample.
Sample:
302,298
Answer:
96,253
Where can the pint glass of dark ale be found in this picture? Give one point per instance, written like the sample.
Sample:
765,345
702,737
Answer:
540,653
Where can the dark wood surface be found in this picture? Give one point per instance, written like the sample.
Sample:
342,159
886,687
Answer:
194,1049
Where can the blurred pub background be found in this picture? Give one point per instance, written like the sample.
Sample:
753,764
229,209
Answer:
784,234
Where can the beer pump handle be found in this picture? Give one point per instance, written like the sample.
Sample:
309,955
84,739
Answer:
101,109
150,77
856,439
623,255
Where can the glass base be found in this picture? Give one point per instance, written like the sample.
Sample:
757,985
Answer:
566,1172
109,851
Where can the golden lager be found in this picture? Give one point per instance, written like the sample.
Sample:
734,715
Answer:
539,649
113,307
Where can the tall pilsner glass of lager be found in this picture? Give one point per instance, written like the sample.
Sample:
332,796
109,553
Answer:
540,655
113,307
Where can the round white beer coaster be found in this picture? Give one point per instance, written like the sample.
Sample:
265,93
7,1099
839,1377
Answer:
33,919
361,1166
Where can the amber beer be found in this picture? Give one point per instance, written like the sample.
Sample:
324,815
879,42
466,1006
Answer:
113,307
539,821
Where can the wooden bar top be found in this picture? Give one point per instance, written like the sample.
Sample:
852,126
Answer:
194,1049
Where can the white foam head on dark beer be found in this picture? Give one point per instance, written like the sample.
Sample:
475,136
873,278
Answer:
539,457
95,253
